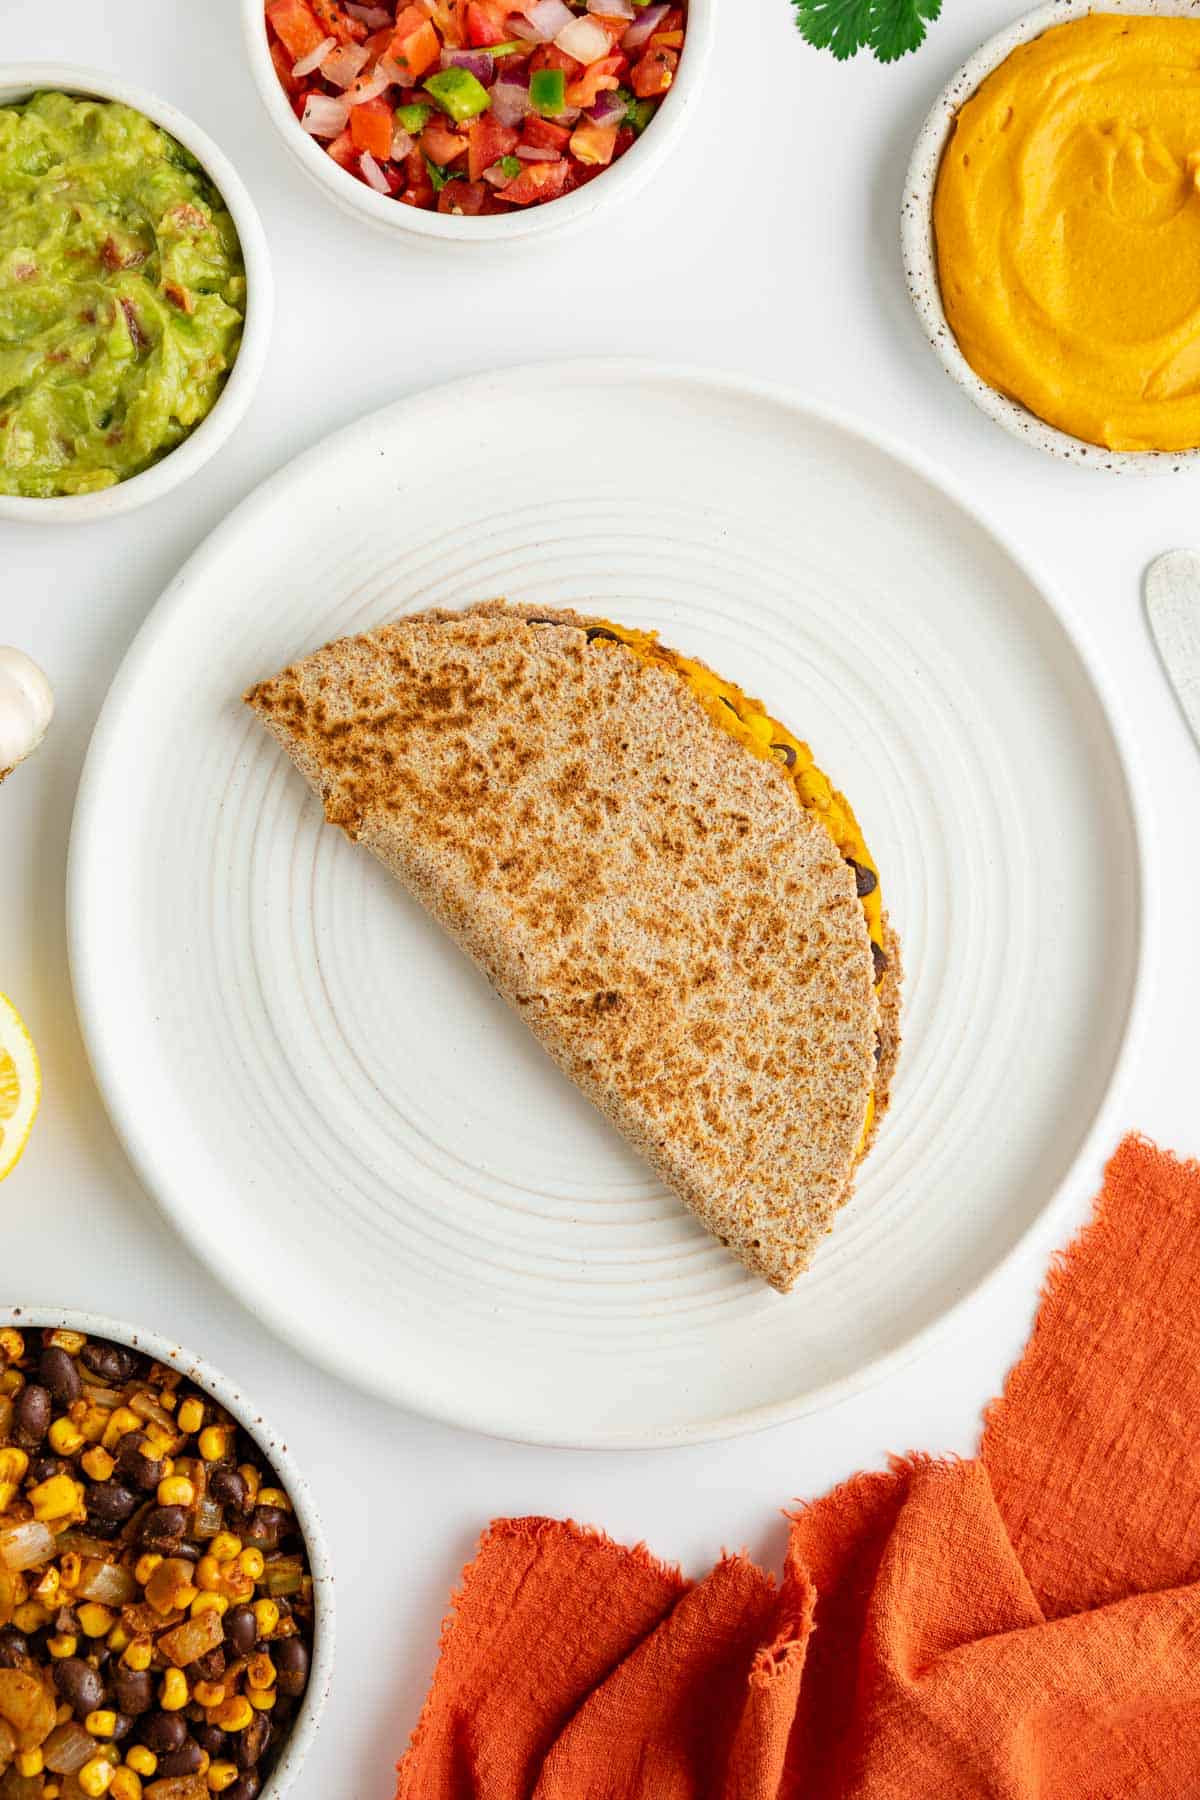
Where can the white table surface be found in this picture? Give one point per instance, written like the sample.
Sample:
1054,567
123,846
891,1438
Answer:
780,259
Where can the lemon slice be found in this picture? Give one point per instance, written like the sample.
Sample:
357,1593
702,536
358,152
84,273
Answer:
20,1086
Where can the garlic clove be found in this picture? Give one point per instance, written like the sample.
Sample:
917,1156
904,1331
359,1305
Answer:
26,708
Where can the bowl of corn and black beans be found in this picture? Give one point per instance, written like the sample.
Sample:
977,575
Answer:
165,1597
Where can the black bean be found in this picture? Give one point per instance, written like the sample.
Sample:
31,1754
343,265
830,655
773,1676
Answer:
878,1052
110,1361
14,1646
144,1472
210,1666
865,880
248,1788
213,1739
134,1690
163,1526
110,1500
228,1488
879,959
250,1746
80,1686
785,753
543,621
43,1467
241,1628
58,1372
32,1416
184,1761
290,1657
163,1732
598,631
122,1726
266,1527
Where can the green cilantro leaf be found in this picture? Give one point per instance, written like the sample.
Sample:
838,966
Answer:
889,28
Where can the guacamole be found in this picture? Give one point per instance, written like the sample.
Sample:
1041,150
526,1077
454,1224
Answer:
122,295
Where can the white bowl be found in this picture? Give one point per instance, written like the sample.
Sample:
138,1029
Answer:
624,178
274,1449
17,82
920,255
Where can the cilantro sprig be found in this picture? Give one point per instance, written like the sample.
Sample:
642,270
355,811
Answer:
888,28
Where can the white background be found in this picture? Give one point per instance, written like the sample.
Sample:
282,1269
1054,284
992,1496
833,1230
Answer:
768,245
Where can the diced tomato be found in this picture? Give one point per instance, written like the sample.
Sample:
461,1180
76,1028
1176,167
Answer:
673,20
344,151
654,73
540,134
440,144
450,17
483,27
376,45
668,40
540,181
549,56
489,141
371,127
594,144
598,77
415,44
294,24
462,197
338,24
283,60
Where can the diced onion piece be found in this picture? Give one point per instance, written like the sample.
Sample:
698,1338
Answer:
315,58
142,1403
510,102
208,1517
373,175
106,1582
613,9
67,1748
608,110
345,64
25,1546
496,177
373,17
324,117
550,17
521,28
479,63
645,25
369,87
387,65
583,39
402,143
535,153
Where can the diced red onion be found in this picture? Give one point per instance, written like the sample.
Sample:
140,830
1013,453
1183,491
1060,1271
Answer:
529,34
373,175
402,143
510,102
608,110
373,17
646,24
25,1546
479,63
495,176
583,39
614,9
535,153
67,1748
345,64
314,59
550,17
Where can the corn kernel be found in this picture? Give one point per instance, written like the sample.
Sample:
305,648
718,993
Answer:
118,1639
64,1439
205,1763
145,1566
47,1588
239,1587
12,1344
51,1790
96,1777
8,1493
70,1341
120,1424
251,1477
101,1724
141,1760
94,1423
209,1603
267,1614
185,1595
273,1496
261,1699
208,1693
97,1621
260,1671
70,1569
97,1463
31,1615
11,1382
138,1657
251,1563
125,1785
62,1646
208,1574
190,1416
214,1442
221,1775
225,1547
176,1490
235,1715
14,1465
56,1498
30,1763
173,1694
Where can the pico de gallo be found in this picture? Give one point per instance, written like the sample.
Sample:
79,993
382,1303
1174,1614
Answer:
476,106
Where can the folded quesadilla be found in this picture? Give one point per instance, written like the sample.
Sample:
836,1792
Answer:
650,869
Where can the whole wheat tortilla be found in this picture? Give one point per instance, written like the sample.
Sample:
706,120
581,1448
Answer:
683,938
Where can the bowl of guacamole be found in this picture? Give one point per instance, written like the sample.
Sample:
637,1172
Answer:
134,296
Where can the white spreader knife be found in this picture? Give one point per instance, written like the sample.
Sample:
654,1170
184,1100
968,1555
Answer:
1172,588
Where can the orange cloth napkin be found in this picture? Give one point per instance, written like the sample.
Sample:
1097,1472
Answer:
1023,1624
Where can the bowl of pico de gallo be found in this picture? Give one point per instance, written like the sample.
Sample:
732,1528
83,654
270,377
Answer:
475,120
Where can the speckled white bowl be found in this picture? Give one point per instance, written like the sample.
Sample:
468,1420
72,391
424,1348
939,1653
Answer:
522,223
17,82
274,1449
920,254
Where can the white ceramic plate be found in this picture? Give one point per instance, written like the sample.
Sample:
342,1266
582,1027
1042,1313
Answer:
356,1133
